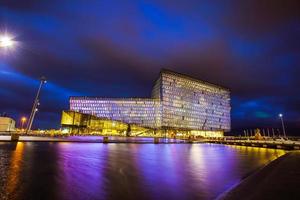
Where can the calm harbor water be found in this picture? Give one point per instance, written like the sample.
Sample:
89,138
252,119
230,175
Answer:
49,170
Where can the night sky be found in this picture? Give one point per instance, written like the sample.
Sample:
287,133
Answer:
117,48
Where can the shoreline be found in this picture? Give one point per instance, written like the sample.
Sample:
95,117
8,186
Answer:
98,139
263,182
277,179
245,177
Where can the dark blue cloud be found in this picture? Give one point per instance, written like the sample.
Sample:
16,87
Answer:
116,48
17,96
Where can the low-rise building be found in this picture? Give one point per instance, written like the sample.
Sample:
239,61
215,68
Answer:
7,124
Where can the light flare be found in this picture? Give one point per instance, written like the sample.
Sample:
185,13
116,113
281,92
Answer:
6,41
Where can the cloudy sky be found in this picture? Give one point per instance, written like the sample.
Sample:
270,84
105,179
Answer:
117,48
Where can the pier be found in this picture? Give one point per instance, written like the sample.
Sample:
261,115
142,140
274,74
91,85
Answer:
92,139
291,144
275,144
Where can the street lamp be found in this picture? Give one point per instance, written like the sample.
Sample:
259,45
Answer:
36,103
23,120
6,41
282,123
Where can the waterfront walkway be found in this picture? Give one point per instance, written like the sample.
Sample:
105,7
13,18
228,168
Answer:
276,144
278,180
93,139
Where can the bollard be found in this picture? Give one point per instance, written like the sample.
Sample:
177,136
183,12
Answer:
105,139
14,137
156,140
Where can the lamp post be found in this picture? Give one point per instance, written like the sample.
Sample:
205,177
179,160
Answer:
36,103
282,123
23,120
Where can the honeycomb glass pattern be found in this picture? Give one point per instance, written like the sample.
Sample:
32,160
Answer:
177,102
188,103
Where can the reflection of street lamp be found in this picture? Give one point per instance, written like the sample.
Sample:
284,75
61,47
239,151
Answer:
283,128
36,103
23,120
6,41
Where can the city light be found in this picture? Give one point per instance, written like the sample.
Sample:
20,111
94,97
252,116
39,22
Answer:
280,115
6,41
23,120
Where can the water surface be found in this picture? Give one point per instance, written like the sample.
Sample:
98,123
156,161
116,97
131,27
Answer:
53,170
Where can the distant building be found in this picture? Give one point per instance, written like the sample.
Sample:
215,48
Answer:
179,104
7,124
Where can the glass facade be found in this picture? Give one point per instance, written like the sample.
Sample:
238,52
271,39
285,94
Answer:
189,103
178,102
80,123
144,112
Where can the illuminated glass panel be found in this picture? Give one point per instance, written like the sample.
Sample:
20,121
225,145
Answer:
145,112
192,104
177,101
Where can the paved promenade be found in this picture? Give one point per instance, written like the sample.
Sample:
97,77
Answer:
277,144
278,180
92,139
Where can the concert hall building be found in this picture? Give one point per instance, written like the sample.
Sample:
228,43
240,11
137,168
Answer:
179,104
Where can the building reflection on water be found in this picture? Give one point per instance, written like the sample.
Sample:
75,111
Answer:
125,171
81,170
16,163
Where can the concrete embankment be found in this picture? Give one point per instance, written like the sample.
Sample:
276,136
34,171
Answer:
278,180
273,144
95,139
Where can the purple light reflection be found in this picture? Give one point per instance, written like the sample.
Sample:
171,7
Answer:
47,170
81,167
173,171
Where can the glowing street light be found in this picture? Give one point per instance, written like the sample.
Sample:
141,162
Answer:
23,120
6,41
282,123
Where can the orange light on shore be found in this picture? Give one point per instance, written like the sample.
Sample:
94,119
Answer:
23,120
